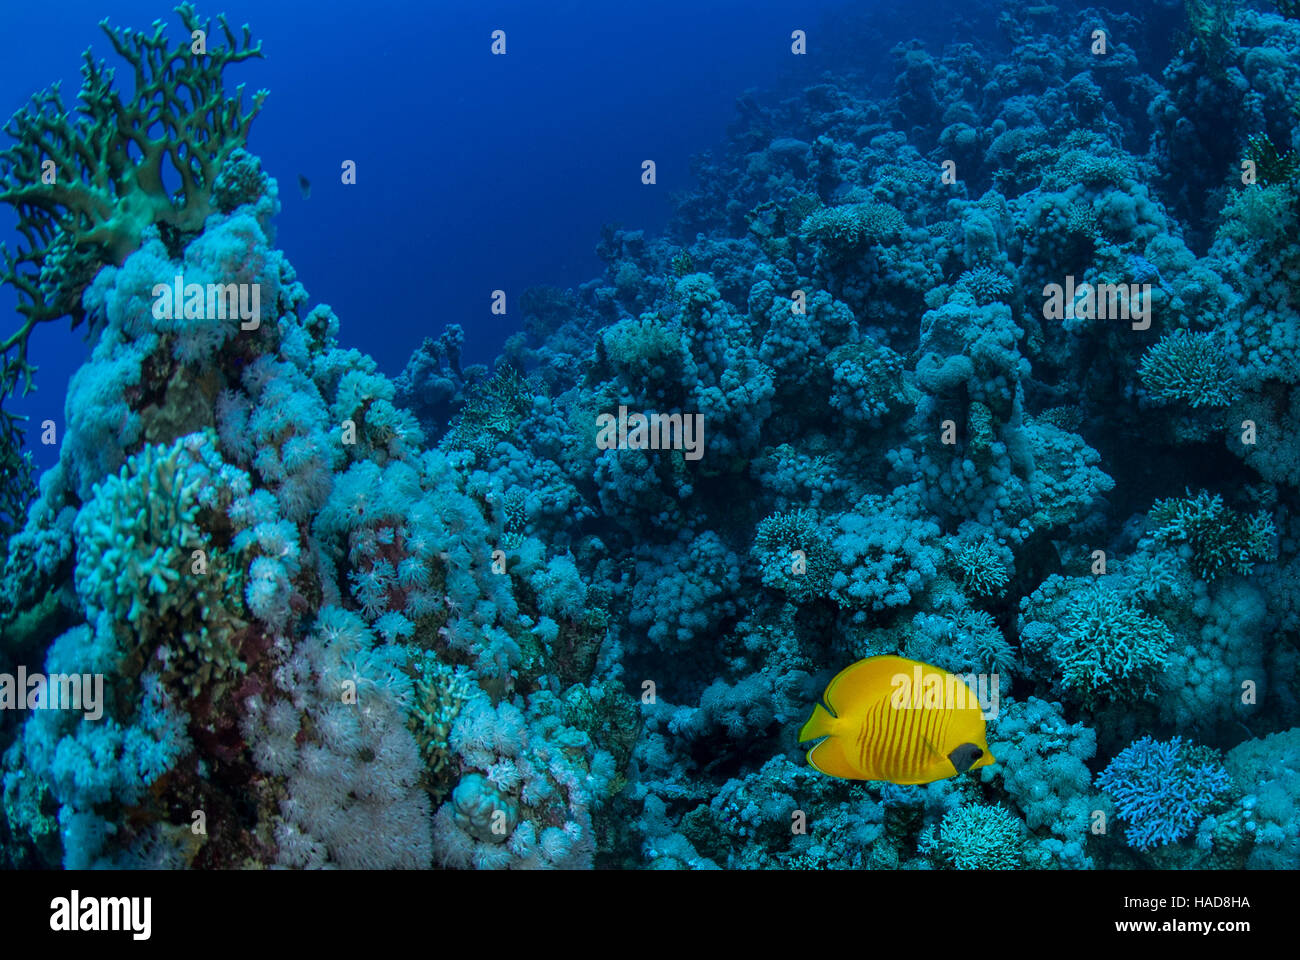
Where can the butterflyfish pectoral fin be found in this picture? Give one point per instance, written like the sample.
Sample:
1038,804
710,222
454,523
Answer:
820,724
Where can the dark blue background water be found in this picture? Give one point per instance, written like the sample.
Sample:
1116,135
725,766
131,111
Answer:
475,171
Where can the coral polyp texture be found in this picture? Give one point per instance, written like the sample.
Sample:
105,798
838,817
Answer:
985,357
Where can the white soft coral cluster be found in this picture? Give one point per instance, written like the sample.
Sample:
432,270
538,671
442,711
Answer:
337,735
276,425
524,799
392,528
363,399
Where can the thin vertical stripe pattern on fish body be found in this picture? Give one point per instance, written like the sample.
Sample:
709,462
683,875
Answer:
899,720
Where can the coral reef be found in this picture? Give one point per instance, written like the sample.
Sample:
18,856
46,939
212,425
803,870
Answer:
366,622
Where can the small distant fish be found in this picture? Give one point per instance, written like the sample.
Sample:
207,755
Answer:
305,186
890,718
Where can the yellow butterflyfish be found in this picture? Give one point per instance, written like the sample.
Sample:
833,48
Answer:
895,719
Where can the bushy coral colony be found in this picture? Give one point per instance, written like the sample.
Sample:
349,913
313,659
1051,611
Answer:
996,371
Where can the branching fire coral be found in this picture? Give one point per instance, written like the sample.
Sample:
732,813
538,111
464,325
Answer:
85,189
